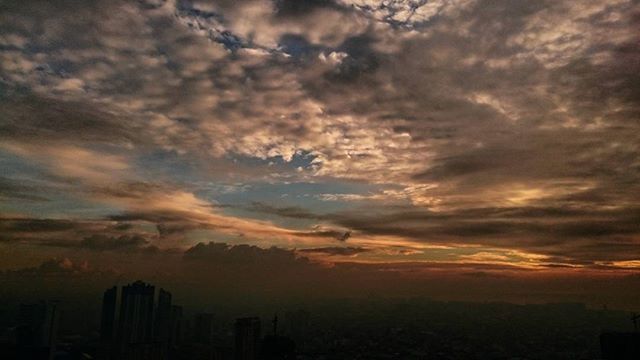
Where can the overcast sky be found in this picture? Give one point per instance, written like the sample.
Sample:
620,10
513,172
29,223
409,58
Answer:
488,137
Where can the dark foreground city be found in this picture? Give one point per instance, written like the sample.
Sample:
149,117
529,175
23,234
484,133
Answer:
137,321
319,179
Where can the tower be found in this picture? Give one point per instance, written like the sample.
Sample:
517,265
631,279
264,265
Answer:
108,318
135,326
247,338
163,317
203,328
176,326
36,333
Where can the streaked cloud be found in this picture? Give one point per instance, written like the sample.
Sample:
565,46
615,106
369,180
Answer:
371,131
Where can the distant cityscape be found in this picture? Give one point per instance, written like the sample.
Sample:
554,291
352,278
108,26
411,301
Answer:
139,323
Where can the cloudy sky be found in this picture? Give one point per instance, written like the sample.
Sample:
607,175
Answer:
426,136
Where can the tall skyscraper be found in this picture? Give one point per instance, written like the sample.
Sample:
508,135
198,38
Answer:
163,317
275,347
620,345
107,322
203,328
37,330
162,325
176,326
247,338
135,328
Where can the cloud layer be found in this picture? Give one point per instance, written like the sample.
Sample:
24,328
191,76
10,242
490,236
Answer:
434,132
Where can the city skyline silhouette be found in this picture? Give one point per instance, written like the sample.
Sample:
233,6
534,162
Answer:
249,159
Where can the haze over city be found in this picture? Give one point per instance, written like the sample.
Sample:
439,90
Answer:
294,151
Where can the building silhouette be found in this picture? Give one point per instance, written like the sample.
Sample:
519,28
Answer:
135,326
176,326
247,338
37,330
107,320
620,345
203,328
138,330
276,347
162,326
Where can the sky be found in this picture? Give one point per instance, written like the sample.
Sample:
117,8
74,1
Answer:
352,139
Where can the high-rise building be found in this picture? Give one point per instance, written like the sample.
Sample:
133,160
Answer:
247,338
108,323
162,325
135,325
163,317
176,326
275,347
203,328
135,329
620,345
37,330
108,318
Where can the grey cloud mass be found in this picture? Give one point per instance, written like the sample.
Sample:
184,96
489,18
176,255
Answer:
499,124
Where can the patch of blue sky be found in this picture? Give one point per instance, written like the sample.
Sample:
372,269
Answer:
167,165
171,166
17,167
301,159
238,198
303,195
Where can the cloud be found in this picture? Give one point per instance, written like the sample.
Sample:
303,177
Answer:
32,117
250,270
340,251
12,189
95,234
291,211
578,234
480,123
21,225
52,267
124,242
321,231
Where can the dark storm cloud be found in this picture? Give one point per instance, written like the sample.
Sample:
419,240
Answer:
295,212
290,211
152,218
107,243
341,251
20,225
339,235
221,254
302,7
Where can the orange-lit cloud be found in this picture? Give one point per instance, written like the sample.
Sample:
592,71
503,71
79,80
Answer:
443,133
